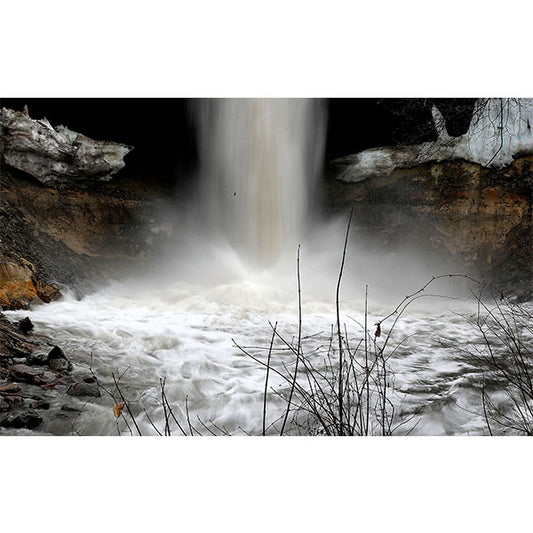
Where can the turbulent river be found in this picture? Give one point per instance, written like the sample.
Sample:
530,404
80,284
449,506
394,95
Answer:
140,332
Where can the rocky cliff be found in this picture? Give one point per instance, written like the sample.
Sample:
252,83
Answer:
62,223
480,218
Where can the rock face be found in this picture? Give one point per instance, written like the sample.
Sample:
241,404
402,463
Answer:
56,156
69,226
479,217
73,237
19,284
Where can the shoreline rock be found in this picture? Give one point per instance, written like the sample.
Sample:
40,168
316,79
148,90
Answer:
35,381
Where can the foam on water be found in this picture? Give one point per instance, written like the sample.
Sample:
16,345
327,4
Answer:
185,333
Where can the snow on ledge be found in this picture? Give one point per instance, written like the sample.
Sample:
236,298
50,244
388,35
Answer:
500,129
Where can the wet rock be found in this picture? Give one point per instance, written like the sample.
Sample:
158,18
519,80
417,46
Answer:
36,302
47,293
28,374
5,360
14,400
23,373
9,388
12,342
39,403
57,360
28,419
45,378
17,286
84,389
26,325
4,405
37,359
69,409
60,365
56,353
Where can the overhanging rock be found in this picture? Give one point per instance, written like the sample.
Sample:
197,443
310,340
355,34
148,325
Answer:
57,157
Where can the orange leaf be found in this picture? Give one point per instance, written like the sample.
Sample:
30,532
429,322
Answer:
117,409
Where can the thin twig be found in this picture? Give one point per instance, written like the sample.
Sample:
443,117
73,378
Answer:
266,377
126,404
299,345
337,306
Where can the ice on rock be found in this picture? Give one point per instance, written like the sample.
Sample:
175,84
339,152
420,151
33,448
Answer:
500,129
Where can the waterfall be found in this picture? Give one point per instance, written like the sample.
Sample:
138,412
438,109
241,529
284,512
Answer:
260,160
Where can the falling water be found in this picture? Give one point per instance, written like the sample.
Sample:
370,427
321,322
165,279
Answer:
260,163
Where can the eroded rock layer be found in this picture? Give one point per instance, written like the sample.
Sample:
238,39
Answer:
479,217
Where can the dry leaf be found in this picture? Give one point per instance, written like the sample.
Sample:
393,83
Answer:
117,409
378,330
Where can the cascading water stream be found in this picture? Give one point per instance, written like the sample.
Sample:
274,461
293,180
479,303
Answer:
260,162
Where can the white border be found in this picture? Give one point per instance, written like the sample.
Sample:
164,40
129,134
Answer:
236,48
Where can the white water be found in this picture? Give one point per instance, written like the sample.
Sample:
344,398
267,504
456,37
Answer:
185,333
260,162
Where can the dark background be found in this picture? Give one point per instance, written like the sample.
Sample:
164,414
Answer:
163,134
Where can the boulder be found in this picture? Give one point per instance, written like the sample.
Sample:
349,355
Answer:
26,325
37,359
57,360
4,405
16,284
39,403
19,285
28,419
24,373
28,374
46,379
81,388
14,400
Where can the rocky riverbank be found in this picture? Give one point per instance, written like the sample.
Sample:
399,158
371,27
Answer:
64,226
40,388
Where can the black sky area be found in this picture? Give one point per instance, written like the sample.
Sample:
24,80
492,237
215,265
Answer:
163,132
